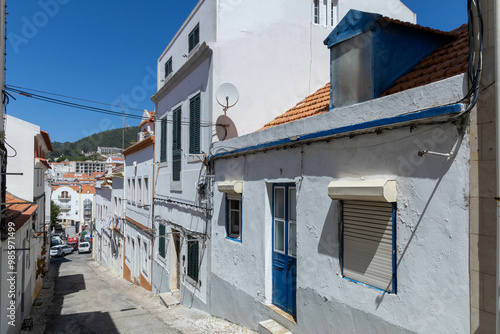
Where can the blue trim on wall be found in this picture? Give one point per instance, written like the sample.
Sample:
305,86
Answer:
433,112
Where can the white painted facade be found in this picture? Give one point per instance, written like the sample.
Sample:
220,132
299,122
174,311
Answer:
273,53
138,227
432,220
25,155
71,199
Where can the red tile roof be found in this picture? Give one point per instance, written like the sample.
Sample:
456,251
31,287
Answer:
446,61
314,104
17,213
46,139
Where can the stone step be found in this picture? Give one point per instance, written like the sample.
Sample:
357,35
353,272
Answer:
170,298
272,327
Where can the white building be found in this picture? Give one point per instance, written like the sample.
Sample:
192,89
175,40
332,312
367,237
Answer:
272,52
88,167
58,170
76,202
356,219
27,202
109,222
138,226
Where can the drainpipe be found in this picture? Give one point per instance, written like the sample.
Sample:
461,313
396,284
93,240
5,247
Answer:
497,114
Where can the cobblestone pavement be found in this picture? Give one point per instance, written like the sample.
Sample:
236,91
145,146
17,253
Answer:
80,296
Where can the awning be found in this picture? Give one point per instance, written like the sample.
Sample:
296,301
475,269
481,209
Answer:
365,190
232,189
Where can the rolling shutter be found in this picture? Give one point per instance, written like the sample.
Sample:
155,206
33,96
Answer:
163,149
368,246
194,125
193,251
176,145
161,241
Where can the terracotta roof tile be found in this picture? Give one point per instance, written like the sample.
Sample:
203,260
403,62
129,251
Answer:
314,104
446,61
18,213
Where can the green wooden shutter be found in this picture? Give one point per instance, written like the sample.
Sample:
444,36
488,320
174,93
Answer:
193,253
194,125
194,37
176,145
161,241
163,149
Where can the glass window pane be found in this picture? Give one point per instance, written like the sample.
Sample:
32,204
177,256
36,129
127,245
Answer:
279,235
235,205
292,239
292,204
279,202
235,222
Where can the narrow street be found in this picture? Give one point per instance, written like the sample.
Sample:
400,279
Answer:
80,296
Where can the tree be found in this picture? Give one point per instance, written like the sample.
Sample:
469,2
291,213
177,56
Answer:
54,213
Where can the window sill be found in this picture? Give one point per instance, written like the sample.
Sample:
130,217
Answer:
193,282
193,158
234,239
197,46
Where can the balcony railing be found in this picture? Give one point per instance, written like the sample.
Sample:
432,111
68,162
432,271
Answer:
65,207
65,198
144,134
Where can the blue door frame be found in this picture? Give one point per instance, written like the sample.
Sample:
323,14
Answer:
284,248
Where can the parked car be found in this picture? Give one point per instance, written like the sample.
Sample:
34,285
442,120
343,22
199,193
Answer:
56,251
67,249
84,247
73,244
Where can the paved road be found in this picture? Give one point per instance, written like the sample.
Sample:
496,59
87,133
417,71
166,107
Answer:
85,303
87,298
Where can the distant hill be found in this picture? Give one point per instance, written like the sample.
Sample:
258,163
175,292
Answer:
110,138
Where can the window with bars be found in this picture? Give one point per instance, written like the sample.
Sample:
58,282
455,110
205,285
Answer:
368,250
194,37
163,144
168,67
161,240
193,259
176,144
194,125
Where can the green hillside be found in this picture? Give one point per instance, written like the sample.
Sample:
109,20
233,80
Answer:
110,138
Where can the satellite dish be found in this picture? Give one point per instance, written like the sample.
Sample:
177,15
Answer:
227,95
225,128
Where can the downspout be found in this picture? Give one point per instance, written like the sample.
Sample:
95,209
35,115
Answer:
497,114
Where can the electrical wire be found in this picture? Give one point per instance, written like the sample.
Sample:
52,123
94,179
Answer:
69,97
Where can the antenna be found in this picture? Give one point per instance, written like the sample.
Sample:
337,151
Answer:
227,95
225,128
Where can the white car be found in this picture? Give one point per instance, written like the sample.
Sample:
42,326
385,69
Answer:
67,249
56,251
83,247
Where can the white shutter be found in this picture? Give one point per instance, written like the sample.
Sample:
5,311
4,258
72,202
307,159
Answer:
368,243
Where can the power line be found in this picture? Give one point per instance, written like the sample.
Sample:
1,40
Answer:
69,97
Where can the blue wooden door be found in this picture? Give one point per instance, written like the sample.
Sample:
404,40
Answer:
284,248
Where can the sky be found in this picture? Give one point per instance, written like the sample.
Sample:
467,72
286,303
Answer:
106,51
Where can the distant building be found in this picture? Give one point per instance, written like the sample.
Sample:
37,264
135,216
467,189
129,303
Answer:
88,167
109,150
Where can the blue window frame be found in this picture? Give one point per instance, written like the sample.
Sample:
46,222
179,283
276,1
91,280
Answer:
368,244
233,217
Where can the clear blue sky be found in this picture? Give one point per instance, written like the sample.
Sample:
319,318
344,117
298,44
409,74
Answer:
103,50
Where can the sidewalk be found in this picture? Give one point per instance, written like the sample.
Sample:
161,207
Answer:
179,317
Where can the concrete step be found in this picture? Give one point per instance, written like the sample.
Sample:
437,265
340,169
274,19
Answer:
170,298
272,327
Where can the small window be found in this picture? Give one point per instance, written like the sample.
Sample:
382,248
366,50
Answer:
368,250
161,240
316,11
139,190
168,67
333,13
163,146
233,218
194,37
193,258
194,125
145,258
145,198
